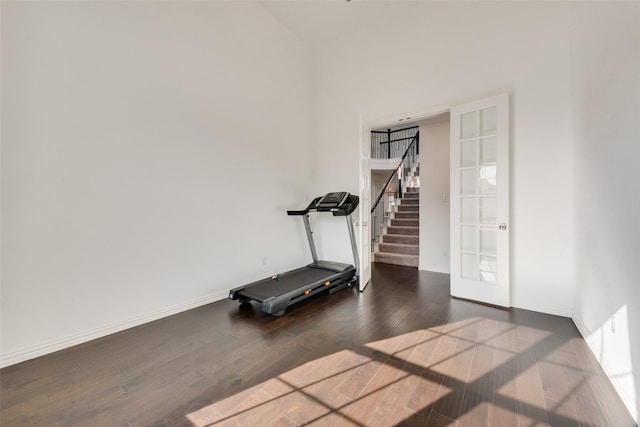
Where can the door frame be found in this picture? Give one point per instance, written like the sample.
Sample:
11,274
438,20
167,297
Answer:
365,128
368,124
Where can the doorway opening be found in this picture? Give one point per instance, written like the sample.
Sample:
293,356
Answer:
410,203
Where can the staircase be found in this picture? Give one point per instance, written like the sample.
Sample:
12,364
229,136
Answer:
400,243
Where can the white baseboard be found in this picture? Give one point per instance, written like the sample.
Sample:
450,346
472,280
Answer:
554,311
434,269
58,344
626,399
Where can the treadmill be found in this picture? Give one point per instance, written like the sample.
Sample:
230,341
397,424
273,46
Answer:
278,292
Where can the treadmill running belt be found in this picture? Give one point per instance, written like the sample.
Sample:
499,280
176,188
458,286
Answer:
286,282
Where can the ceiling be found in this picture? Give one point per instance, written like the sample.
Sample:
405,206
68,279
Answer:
319,22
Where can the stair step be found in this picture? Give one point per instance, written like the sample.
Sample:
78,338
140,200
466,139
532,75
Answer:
410,201
397,259
413,190
414,231
408,208
406,239
399,248
411,195
407,215
405,222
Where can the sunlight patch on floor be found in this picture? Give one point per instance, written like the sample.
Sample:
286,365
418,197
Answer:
488,367
344,388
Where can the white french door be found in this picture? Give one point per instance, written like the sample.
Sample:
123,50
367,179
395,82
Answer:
480,201
365,207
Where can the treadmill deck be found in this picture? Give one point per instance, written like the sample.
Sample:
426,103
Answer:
277,292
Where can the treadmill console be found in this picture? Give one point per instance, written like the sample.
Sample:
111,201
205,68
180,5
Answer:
339,203
332,200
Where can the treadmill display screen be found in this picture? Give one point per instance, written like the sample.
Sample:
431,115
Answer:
332,200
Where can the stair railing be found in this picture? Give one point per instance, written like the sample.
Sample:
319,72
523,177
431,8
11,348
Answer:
381,210
389,144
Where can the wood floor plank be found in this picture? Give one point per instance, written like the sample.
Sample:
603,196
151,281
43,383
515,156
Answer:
562,413
401,353
456,372
438,420
409,418
528,386
477,396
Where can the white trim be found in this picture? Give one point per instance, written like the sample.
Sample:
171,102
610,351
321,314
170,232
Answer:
408,117
82,337
554,311
431,269
628,401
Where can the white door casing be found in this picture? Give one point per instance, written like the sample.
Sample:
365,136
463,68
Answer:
480,201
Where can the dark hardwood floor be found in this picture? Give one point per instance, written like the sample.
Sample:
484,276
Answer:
401,353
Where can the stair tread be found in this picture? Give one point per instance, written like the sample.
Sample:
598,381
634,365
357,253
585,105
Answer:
409,239
395,255
397,259
395,223
400,229
399,248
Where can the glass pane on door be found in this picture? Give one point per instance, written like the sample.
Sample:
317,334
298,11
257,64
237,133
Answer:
488,242
469,268
468,238
469,125
488,150
488,121
468,153
488,269
469,210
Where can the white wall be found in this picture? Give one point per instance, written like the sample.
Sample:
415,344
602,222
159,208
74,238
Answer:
449,53
606,79
336,168
434,183
149,153
378,180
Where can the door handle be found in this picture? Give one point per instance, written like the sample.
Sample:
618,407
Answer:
502,226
